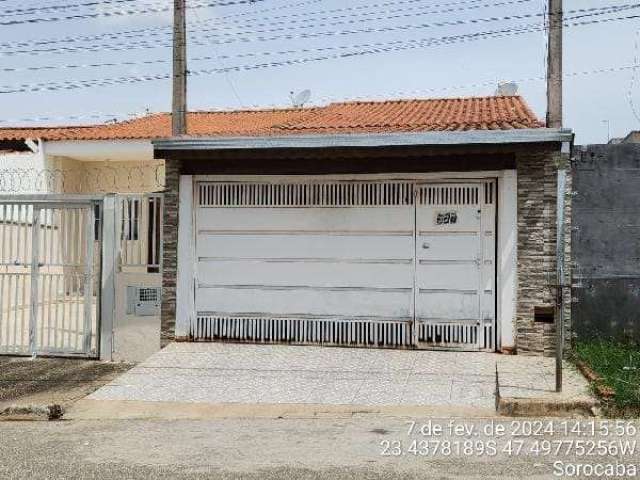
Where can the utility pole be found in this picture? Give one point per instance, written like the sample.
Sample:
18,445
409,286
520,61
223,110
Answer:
179,106
554,120
554,65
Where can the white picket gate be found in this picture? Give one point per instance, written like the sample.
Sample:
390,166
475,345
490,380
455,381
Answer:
49,271
51,256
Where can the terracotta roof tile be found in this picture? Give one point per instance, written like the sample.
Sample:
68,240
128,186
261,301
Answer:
477,113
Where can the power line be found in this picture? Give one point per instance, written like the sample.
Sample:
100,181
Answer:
120,13
165,29
636,64
365,49
197,41
28,11
288,52
489,83
268,21
205,40
386,95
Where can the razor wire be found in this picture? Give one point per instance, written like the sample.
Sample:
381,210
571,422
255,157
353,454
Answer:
100,179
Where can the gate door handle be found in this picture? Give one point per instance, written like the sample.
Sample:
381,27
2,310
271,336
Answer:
425,245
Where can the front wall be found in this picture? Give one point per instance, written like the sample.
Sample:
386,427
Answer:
536,188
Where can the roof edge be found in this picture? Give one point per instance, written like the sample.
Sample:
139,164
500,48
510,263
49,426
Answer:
468,137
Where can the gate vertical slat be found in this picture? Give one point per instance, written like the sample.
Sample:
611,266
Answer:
56,333
3,319
88,280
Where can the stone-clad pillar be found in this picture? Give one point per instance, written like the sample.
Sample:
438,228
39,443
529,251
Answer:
170,251
537,177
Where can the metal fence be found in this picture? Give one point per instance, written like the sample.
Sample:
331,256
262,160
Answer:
140,223
48,277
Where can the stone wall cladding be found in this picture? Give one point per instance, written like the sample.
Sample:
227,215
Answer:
170,251
537,183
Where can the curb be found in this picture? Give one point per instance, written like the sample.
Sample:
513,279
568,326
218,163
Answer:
605,392
525,407
88,409
31,412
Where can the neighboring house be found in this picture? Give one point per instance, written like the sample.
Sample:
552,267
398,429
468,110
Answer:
85,159
408,223
632,137
61,162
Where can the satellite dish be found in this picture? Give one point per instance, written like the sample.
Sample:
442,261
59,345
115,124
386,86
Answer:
507,89
300,99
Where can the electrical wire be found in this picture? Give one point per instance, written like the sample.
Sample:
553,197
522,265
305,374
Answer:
206,40
364,49
398,94
121,13
632,83
289,52
156,31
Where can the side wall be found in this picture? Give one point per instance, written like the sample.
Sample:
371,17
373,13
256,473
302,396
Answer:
607,251
537,187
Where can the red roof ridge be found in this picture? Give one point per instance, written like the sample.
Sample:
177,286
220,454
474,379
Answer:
430,99
357,116
259,110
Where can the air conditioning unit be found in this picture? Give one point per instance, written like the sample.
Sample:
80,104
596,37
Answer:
143,301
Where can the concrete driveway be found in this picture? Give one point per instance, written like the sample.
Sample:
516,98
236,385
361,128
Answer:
277,374
242,374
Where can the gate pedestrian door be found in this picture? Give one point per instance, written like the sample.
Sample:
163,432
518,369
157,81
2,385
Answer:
455,270
49,274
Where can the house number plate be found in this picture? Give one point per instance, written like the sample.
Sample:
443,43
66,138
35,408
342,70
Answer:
446,218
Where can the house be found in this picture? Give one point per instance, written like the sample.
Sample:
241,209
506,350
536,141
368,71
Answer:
425,223
408,223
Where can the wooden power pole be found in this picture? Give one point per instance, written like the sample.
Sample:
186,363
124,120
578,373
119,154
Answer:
554,65
179,106
554,120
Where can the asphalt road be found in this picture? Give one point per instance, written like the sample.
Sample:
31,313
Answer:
356,447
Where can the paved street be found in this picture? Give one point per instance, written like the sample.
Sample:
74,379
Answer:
219,373
350,447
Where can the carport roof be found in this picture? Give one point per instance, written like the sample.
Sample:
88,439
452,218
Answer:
362,117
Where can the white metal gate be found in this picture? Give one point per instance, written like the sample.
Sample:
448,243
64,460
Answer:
344,263
49,277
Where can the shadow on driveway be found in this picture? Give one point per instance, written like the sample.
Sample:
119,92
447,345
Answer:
52,380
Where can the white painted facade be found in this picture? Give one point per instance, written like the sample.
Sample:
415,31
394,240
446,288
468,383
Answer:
350,255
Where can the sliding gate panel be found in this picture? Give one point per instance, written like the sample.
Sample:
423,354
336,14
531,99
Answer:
58,288
327,263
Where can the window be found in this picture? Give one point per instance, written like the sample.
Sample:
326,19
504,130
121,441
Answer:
130,219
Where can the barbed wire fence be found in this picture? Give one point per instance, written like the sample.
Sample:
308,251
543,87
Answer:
102,179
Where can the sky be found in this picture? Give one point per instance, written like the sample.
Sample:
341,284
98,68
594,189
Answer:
253,53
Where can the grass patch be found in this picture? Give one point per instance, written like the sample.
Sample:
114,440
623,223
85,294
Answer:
618,365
